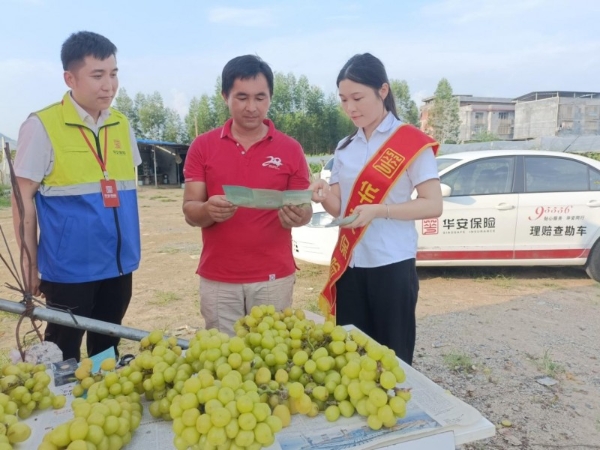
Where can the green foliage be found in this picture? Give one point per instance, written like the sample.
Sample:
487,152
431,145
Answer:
548,366
405,106
443,122
164,298
4,196
150,118
459,362
592,155
298,109
303,112
315,167
486,136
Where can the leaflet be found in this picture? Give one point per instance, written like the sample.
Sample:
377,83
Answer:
265,198
340,222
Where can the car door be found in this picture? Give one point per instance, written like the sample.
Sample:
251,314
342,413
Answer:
559,210
477,225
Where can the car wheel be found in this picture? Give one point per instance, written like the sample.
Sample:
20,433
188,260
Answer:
592,267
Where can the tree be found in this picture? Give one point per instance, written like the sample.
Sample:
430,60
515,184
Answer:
174,129
125,104
486,136
218,105
406,107
200,117
443,122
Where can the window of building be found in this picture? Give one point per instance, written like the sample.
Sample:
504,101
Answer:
504,129
478,116
592,111
503,115
566,112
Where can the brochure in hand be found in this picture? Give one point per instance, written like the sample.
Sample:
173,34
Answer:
265,198
340,222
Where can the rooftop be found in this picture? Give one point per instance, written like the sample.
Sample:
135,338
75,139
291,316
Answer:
540,95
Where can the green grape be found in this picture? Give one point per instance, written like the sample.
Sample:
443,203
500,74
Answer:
221,417
378,397
374,422
332,413
386,414
320,393
263,434
398,406
340,392
346,408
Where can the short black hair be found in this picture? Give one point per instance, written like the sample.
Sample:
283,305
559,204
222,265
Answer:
82,44
245,67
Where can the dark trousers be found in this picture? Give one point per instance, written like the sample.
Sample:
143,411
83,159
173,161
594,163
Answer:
105,300
381,301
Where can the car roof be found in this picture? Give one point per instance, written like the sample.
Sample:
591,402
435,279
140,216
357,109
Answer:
478,154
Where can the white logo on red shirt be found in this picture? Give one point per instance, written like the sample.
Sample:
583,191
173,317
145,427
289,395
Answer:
272,162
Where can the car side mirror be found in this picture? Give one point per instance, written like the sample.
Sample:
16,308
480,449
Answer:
446,190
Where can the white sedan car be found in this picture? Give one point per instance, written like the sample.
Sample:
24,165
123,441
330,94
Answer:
501,208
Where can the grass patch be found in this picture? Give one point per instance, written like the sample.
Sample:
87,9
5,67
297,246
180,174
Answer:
313,307
4,358
459,362
180,247
164,298
550,367
4,195
7,315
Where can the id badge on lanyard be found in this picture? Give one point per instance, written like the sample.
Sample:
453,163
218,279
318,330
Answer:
108,187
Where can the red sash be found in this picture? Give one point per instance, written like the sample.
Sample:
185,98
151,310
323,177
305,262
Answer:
371,187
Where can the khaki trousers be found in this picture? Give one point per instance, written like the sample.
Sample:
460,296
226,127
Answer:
222,304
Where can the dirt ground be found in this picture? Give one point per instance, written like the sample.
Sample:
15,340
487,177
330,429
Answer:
519,344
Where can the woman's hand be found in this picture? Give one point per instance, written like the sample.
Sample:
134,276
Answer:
366,213
320,190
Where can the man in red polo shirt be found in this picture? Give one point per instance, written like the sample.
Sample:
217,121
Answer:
247,253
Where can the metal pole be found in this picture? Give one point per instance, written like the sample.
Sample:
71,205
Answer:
154,154
83,323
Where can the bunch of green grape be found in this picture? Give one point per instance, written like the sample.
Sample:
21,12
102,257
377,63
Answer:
222,413
326,368
238,392
158,372
11,430
105,424
26,385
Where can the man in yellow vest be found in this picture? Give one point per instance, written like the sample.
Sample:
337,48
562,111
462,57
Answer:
75,168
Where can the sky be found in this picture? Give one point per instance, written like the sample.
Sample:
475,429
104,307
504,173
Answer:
488,48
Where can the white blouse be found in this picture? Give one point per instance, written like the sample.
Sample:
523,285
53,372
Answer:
385,241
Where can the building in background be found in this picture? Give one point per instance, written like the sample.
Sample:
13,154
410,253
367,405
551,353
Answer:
479,116
557,113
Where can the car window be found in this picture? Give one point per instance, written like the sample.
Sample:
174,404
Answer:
329,165
482,177
594,179
550,174
442,163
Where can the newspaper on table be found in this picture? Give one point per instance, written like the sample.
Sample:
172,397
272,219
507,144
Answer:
265,198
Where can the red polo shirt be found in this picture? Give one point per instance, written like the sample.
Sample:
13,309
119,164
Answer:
252,245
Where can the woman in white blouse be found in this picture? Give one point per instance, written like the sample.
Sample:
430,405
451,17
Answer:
378,290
